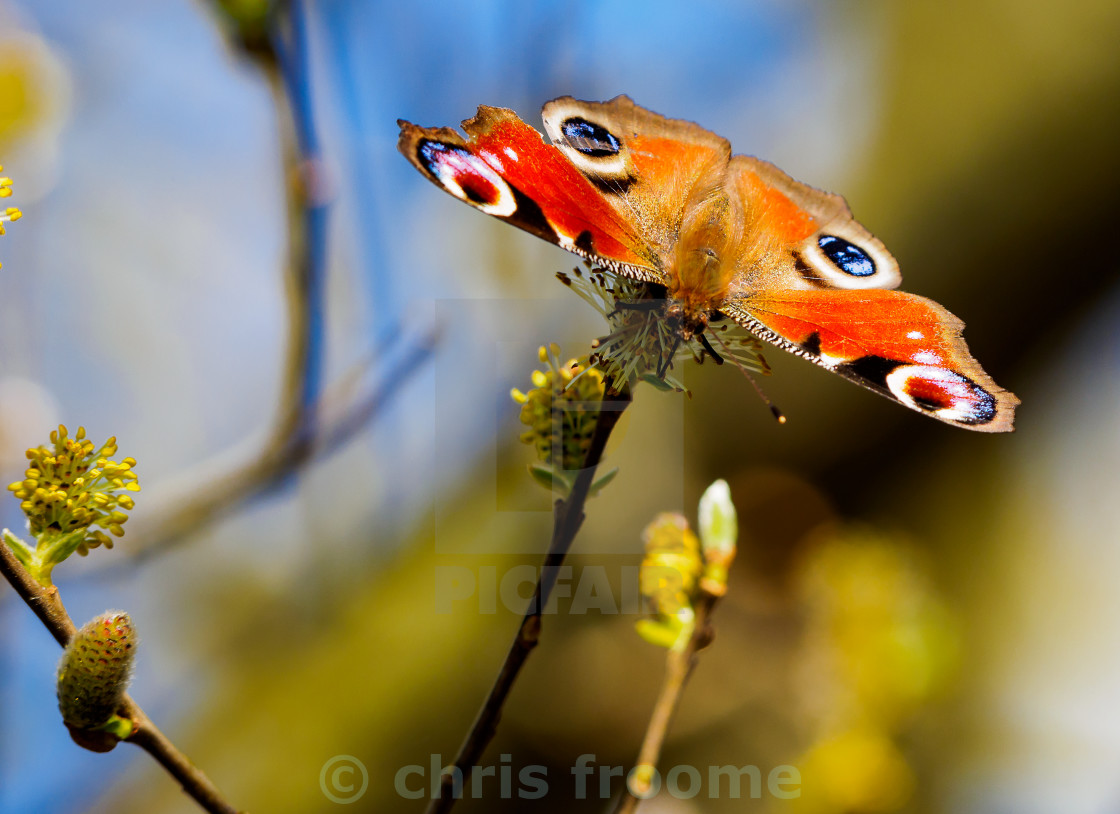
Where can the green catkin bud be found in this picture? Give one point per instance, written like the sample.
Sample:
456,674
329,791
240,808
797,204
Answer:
667,580
719,533
95,670
672,564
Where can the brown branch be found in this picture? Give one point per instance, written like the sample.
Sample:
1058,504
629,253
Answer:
678,668
190,777
43,601
568,516
283,442
297,433
47,605
343,415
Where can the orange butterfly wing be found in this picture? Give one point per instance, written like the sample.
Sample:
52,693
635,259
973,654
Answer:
900,345
645,196
506,170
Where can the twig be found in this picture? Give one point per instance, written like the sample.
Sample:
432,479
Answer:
276,462
280,52
190,777
43,601
47,605
282,62
285,66
678,668
567,518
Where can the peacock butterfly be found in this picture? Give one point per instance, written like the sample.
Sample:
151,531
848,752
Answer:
664,201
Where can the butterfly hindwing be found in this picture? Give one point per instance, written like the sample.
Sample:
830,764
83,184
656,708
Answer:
903,346
811,238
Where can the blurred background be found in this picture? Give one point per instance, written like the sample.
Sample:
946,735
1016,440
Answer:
224,262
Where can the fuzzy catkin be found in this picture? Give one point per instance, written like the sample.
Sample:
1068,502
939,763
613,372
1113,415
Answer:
95,670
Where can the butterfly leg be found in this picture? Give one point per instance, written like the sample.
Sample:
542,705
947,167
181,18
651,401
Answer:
708,347
667,361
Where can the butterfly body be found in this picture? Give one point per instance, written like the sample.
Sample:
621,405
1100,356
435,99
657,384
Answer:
664,201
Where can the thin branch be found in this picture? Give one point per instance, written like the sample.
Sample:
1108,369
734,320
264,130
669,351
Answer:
275,463
43,601
280,52
361,413
568,516
285,66
678,668
47,605
303,282
190,777
282,62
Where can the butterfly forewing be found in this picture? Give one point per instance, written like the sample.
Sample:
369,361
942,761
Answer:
505,169
651,169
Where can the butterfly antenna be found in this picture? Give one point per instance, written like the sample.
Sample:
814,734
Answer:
779,416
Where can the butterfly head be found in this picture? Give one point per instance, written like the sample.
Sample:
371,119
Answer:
685,321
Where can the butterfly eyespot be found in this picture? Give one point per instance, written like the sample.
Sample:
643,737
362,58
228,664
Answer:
467,177
847,257
942,392
591,139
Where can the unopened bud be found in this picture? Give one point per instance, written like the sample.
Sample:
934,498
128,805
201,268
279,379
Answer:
95,670
719,533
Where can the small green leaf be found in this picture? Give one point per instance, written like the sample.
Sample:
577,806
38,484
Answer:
53,551
602,481
656,381
657,633
550,479
22,551
118,726
670,632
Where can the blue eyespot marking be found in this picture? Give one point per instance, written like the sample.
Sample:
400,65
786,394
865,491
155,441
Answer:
849,258
589,138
